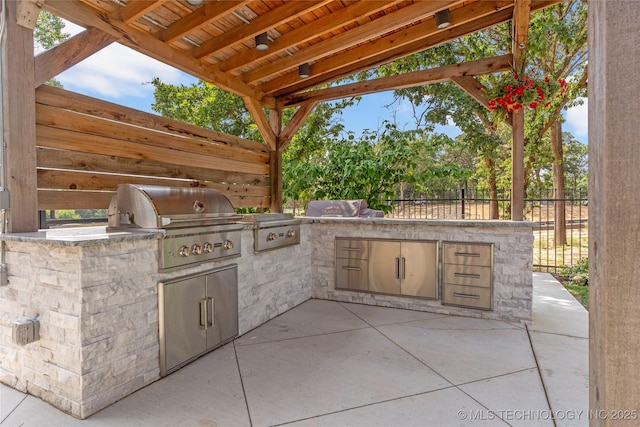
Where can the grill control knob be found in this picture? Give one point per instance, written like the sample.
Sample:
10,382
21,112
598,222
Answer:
272,236
208,248
228,244
184,251
196,249
291,233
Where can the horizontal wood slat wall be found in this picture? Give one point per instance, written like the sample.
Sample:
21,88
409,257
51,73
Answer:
86,147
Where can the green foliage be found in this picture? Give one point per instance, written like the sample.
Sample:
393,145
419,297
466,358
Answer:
577,274
205,105
48,31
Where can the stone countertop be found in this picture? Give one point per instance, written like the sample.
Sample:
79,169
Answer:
421,222
82,236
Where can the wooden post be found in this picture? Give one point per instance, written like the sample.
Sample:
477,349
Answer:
275,161
614,213
517,166
19,124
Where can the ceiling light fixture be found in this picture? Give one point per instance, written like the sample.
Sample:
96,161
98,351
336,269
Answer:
195,2
442,19
304,71
262,41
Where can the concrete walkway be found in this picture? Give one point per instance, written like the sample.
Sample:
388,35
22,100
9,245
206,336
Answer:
333,364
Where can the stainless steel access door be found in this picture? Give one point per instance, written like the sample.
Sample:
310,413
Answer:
404,268
181,335
222,305
384,266
419,269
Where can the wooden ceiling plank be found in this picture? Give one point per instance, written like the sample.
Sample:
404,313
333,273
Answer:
400,81
335,44
259,25
69,53
303,34
81,14
335,68
199,19
521,19
413,36
264,126
136,10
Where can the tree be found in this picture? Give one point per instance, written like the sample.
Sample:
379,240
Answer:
48,33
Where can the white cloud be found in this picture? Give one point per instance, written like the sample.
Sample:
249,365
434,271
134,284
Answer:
578,118
117,72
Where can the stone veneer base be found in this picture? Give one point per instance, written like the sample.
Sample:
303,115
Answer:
95,294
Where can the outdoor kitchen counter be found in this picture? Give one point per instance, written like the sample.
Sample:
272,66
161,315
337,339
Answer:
81,236
512,260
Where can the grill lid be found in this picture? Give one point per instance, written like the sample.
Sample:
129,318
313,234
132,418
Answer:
155,206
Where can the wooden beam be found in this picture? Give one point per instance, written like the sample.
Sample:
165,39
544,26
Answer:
28,12
326,24
136,10
200,18
296,122
517,168
81,14
69,53
260,119
521,18
416,78
353,37
262,23
477,91
19,124
381,51
275,163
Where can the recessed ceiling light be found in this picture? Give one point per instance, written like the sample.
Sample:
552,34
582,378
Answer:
262,41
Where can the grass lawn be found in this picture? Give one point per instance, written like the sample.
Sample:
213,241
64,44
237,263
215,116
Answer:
581,293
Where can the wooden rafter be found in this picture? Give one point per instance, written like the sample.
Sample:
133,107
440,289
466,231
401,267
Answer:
65,55
136,10
416,78
199,19
81,14
296,122
301,35
341,41
259,25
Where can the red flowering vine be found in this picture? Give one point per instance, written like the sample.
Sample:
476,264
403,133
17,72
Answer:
516,92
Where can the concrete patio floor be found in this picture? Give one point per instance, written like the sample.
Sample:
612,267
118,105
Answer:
326,363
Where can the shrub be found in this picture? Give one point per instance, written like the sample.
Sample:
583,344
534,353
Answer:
577,274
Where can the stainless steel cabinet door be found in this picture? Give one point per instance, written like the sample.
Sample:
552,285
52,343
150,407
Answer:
184,333
384,266
419,269
351,274
222,305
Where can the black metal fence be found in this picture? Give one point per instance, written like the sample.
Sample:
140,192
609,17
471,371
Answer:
548,255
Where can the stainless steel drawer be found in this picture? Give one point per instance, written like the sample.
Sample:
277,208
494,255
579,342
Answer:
467,254
351,274
469,275
467,296
352,248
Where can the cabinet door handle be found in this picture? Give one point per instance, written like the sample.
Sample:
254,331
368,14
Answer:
351,268
352,249
397,272
211,314
203,313
467,254
455,294
404,268
471,275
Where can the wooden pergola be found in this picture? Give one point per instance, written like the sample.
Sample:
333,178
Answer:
216,42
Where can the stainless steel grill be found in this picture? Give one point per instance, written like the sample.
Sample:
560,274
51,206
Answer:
273,231
199,224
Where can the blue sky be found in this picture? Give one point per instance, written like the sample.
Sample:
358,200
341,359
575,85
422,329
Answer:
121,75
